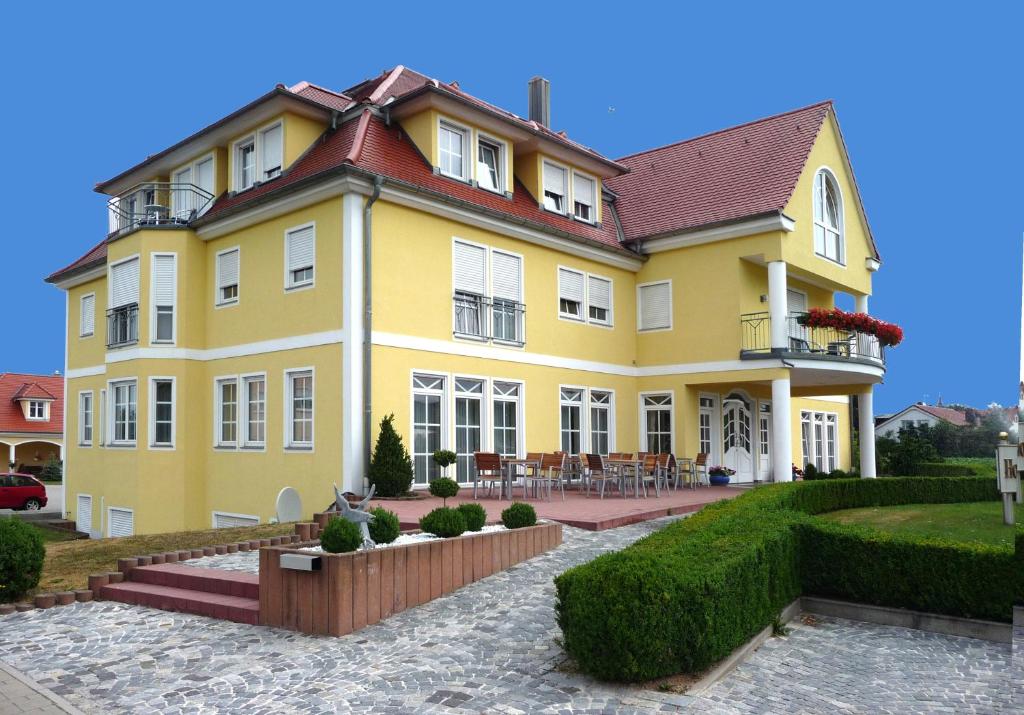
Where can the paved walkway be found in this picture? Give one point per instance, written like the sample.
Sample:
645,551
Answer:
19,695
489,647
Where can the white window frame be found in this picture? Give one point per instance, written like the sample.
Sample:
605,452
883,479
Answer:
639,307
247,442
486,316
484,425
520,402
218,412
153,313
82,332
468,145
501,159
256,137
32,405
215,513
82,441
565,315
119,508
597,197
584,412
809,450
644,409
567,188
826,172
610,322
290,284
610,407
193,167
714,426
446,400
219,302
112,386
153,444
586,425
291,445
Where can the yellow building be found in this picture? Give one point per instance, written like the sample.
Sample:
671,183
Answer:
276,283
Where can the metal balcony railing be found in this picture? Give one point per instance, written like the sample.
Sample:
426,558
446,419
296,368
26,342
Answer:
804,341
482,318
123,325
157,203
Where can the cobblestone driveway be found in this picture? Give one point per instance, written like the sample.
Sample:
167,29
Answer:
489,647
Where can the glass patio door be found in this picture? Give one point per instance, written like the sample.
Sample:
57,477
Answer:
468,410
428,392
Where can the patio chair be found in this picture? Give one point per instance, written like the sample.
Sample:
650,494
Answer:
599,472
649,472
700,467
686,472
488,470
667,471
550,472
621,456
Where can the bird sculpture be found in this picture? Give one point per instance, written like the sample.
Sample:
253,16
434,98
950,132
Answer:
357,514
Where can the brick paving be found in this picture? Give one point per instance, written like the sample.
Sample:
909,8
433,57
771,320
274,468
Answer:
489,647
19,695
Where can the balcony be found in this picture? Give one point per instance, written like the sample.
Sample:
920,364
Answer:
808,343
123,326
488,319
157,203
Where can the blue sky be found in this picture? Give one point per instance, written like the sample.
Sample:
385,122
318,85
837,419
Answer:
930,103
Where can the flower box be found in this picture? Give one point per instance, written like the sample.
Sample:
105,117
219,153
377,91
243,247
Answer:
357,589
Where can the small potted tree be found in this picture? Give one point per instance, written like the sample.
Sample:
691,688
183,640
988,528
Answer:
719,475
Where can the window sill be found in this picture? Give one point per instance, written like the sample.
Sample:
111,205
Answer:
453,177
163,343
122,445
571,318
116,346
299,448
563,214
253,448
510,343
830,260
225,447
471,336
162,447
577,219
226,304
86,335
299,286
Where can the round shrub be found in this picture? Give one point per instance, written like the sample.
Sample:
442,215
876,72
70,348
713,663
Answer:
341,536
444,488
385,527
21,559
474,514
519,515
444,522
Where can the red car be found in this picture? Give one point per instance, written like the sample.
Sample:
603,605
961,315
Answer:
21,491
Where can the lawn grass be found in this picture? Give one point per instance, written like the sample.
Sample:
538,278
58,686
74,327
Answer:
982,466
69,563
53,536
972,522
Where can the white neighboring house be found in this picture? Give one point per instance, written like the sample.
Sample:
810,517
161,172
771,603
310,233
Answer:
919,415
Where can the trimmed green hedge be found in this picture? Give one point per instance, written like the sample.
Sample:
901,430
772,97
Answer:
686,596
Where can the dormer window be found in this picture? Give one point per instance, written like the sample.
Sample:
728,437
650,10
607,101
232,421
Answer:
259,157
246,164
828,217
37,410
452,142
554,188
488,167
583,190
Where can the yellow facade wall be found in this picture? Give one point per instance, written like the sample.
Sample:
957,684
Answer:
854,277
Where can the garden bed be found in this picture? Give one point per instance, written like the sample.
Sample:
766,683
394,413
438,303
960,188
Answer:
687,596
352,590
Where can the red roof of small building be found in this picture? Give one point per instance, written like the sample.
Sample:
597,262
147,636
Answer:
15,386
736,173
954,417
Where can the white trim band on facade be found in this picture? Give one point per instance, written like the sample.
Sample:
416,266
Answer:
327,337
778,222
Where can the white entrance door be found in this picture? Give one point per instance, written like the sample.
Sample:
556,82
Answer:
736,443
764,442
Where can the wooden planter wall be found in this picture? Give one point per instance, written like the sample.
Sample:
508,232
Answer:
360,588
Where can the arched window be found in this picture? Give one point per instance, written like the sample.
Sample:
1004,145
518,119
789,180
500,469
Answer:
828,217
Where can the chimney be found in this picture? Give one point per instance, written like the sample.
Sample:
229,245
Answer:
540,101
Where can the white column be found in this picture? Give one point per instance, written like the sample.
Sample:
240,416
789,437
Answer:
11,460
863,341
782,431
353,466
777,305
866,412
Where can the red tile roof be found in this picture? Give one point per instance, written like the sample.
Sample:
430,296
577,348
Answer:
321,95
370,145
954,417
96,254
16,385
736,173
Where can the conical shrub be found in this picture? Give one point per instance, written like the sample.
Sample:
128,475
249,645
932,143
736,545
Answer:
390,466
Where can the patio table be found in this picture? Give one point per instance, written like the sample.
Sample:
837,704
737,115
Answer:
527,464
624,466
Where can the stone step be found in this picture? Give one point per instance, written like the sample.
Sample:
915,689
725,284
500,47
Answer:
169,598
222,581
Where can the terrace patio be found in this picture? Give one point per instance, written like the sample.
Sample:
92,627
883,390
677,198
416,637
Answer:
591,513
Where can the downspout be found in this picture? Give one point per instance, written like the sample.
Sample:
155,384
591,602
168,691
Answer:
368,320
